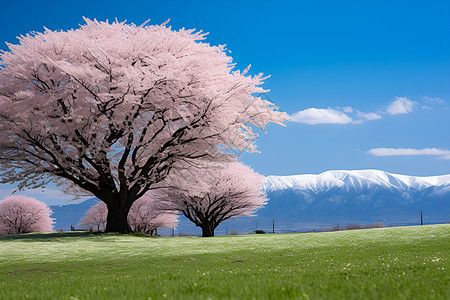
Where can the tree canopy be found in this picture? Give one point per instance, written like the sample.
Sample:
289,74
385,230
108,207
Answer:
210,195
111,109
20,214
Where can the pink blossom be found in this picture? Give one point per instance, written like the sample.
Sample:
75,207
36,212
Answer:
111,109
214,193
20,214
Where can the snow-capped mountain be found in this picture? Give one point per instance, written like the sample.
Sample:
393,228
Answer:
358,180
359,196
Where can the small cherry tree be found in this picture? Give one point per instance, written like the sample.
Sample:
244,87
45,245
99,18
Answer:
95,217
210,195
20,214
145,216
111,109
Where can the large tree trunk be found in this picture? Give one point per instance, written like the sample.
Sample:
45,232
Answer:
207,230
116,220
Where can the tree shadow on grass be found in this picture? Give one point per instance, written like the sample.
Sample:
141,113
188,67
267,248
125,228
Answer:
44,237
51,237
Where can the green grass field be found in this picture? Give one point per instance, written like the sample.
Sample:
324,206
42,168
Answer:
387,263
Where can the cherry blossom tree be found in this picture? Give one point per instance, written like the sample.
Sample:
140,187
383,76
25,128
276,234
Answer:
210,195
111,109
95,217
146,216
20,214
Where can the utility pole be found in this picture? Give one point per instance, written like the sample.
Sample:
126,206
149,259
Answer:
421,219
273,226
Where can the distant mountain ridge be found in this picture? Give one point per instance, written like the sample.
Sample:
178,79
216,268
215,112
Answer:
355,180
357,196
71,214
312,202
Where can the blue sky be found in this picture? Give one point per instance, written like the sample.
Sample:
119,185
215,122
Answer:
368,82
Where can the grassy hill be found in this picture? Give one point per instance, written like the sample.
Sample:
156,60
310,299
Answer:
386,263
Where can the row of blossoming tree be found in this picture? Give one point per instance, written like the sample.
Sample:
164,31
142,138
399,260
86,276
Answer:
206,196
117,111
145,216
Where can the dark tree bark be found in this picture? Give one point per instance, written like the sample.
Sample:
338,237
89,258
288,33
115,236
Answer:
207,229
117,217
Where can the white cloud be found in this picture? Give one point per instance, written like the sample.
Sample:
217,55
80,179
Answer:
369,116
433,100
347,109
430,103
349,115
341,115
441,153
401,105
313,116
